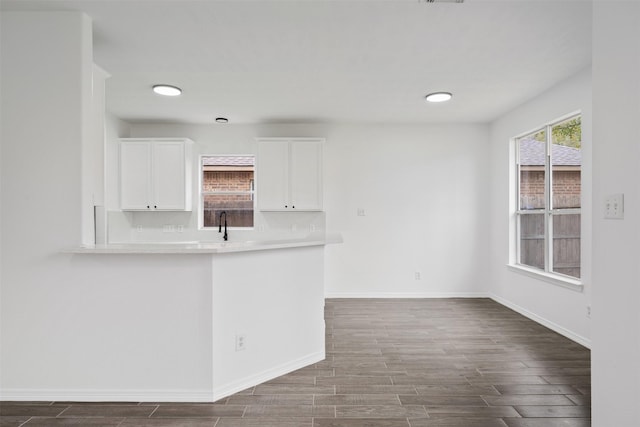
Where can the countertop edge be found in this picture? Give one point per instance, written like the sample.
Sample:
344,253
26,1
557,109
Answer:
200,248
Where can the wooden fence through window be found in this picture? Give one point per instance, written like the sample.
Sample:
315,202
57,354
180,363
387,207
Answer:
566,242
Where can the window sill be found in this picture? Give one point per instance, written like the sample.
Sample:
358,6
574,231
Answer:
555,279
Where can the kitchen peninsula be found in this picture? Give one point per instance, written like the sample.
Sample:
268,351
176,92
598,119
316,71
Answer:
266,305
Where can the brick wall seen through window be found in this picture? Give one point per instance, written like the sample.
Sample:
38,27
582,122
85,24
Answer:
228,185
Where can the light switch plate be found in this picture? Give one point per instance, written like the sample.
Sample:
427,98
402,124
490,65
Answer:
614,206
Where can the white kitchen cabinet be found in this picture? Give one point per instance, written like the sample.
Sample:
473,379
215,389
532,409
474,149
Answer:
290,174
155,174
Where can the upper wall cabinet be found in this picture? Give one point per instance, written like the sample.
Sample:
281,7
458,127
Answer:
155,174
290,174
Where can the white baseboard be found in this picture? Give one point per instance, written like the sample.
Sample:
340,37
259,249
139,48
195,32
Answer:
539,319
253,380
545,322
89,395
406,295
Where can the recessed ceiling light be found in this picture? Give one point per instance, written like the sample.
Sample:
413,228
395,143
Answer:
222,120
167,90
438,97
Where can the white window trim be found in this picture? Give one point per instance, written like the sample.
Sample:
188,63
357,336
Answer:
514,251
201,193
553,278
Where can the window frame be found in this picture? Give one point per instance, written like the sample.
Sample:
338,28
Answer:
202,194
549,211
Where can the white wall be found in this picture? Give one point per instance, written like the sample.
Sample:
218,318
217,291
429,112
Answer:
616,161
422,188
277,305
424,193
114,129
562,309
108,328
71,325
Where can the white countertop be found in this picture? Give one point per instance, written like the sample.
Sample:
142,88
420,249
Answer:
204,247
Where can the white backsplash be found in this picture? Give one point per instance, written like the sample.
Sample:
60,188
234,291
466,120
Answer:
159,227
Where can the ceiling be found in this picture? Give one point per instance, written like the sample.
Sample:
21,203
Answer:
323,61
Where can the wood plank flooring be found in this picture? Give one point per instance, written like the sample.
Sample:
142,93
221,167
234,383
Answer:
390,363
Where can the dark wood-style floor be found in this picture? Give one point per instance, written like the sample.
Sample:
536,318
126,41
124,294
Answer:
390,363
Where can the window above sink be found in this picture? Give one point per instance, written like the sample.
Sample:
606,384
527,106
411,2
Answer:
227,183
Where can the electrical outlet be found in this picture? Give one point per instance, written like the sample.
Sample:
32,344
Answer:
589,311
241,342
180,228
417,275
168,228
361,212
312,228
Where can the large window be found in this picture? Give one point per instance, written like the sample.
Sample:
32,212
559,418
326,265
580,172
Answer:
549,163
227,185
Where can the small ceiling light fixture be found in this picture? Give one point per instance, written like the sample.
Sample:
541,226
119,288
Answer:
438,97
167,90
222,120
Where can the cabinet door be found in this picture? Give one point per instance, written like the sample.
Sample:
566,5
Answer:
306,175
135,170
168,176
273,175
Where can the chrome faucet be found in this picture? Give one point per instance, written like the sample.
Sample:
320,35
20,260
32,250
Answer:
226,236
